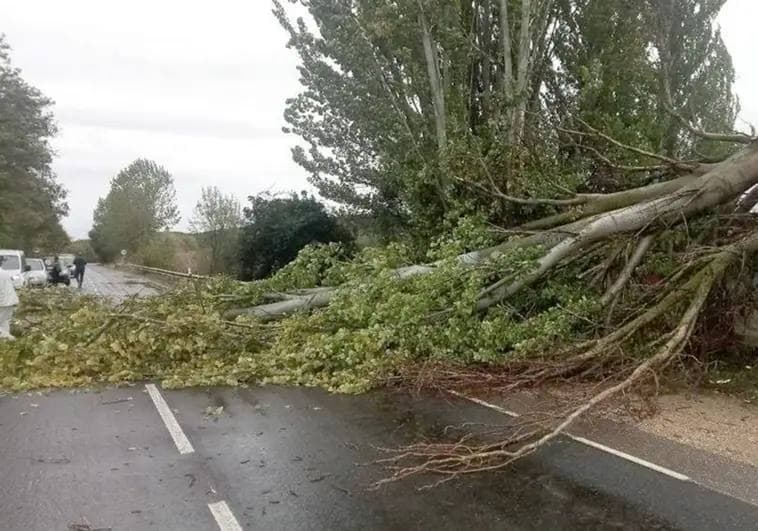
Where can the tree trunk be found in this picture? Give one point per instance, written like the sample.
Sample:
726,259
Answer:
435,83
725,181
522,73
506,44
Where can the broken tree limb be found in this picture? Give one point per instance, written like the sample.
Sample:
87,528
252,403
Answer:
727,180
600,203
279,296
626,273
320,297
277,310
452,460
628,211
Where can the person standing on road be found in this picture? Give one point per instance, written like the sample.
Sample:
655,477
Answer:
80,263
8,302
55,271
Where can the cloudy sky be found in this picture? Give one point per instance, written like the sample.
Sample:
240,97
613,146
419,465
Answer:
197,86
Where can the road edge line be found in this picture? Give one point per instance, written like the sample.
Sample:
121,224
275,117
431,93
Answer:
629,457
169,420
587,442
224,516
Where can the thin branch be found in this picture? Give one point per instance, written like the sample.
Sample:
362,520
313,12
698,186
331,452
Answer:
574,201
633,149
739,138
622,167
385,84
626,273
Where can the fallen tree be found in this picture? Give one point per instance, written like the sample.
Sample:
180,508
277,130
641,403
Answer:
594,217
694,204
631,255
611,293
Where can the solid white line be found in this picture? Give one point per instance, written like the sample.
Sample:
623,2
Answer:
181,441
628,457
582,440
224,517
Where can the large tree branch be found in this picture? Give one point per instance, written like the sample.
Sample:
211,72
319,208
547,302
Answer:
725,182
435,80
524,49
622,212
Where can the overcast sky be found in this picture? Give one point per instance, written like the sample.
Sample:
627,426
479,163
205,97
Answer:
197,86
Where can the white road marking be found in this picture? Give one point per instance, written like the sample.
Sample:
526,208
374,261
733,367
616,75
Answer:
582,440
485,404
633,459
224,516
180,439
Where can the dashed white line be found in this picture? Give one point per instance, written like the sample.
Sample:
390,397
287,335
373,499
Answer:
588,442
485,404
221,512
224,516
180,439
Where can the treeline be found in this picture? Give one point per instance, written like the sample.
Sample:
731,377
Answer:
440,112
251,242
32,202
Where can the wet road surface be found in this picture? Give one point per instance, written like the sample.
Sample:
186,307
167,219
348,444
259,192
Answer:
292,458
116,284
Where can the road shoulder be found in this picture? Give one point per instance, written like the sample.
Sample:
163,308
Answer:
710,439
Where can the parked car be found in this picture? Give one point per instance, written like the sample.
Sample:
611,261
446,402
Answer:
36,274
14,262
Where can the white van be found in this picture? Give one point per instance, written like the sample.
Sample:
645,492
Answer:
14,262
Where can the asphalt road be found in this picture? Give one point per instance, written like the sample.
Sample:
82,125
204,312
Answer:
290,458
115,284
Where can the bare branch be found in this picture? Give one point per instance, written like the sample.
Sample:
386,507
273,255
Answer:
577,200
739,138
626,273
622,167
617,143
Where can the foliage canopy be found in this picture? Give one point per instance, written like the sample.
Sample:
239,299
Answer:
406,104
216,221
141,201
32,202
278,227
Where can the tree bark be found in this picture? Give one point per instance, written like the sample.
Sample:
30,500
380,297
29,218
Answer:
506,44
522,72
628,211
435,82
725,181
